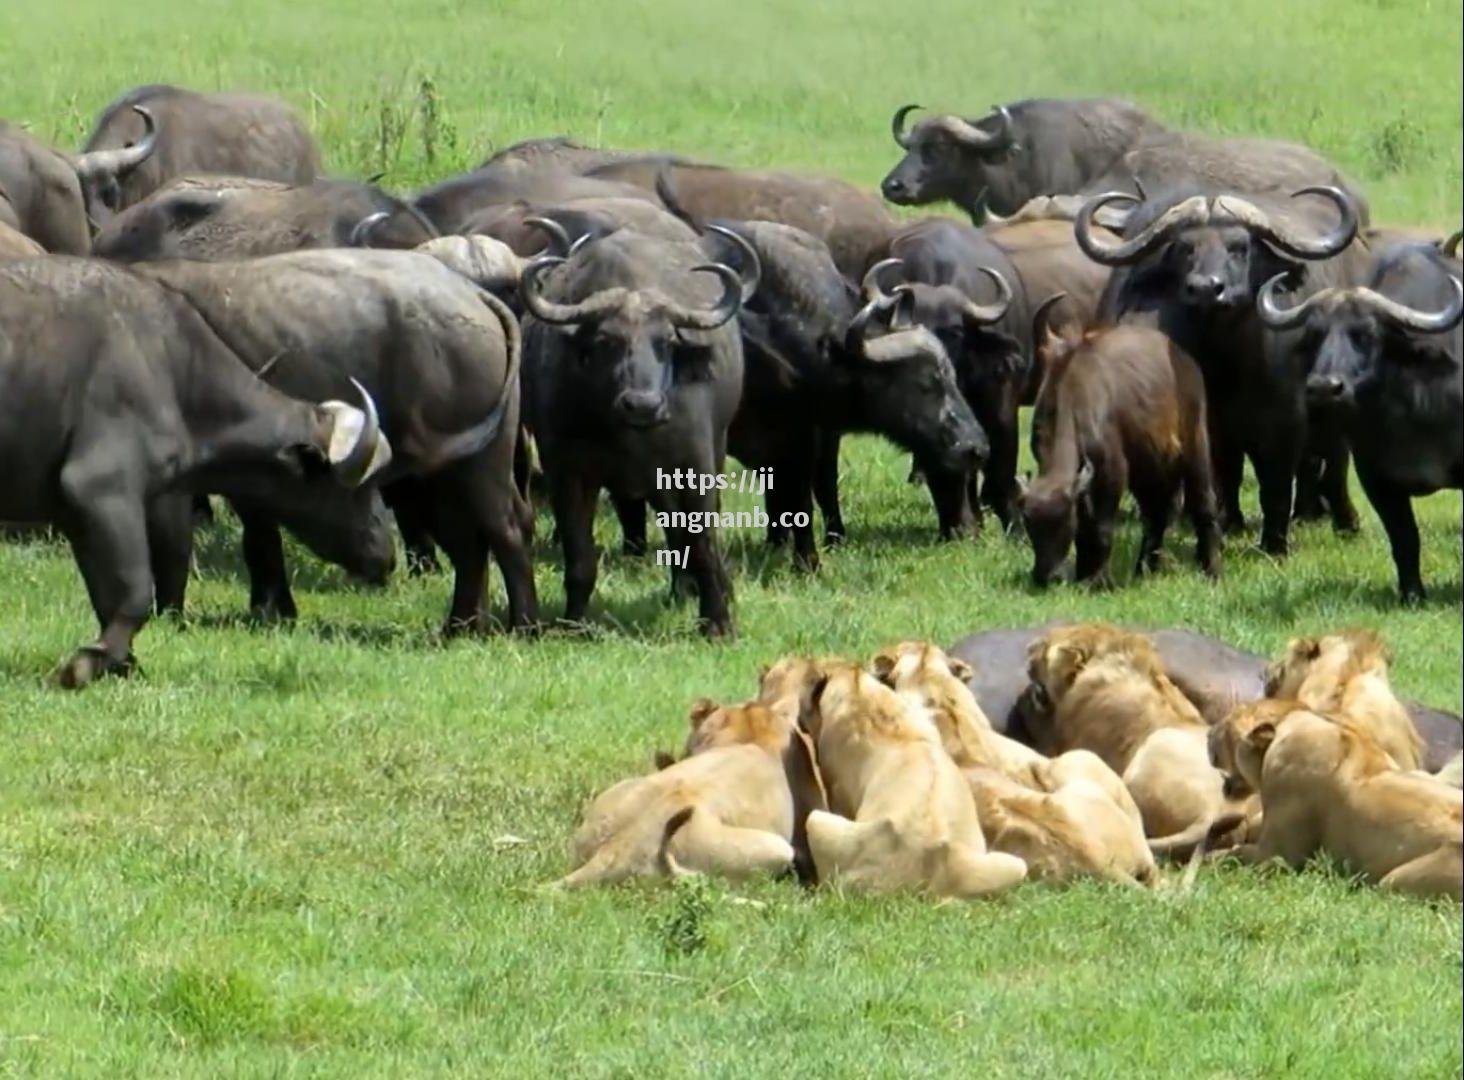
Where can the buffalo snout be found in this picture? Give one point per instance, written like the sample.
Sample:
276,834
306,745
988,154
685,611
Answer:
1204,289
1327,390
642,408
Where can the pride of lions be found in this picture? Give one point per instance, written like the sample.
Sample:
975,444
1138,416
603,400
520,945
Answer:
888,776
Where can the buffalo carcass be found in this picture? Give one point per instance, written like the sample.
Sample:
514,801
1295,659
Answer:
1386,356
633,372
40,195
1215,676
439,355
219,218
850,221
1055,146
1191,264
153,134
965,290
116,401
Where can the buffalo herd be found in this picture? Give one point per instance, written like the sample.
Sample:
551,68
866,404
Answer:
189,308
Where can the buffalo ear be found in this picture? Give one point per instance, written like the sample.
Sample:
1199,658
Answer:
1262,736
961,670
701,708
883,666
187,208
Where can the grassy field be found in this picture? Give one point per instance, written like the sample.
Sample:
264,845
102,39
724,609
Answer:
317,850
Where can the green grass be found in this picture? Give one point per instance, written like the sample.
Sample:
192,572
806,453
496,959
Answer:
296,851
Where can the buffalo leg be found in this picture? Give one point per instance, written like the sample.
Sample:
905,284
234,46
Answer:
1309,481
573,499
107,529
1395,510
1229,470
826,486
631,513
498,507
954,509
410,502
1155,509
1276,474
1199,504
713,586
1335,491
456,524
170,521
264,558
999,488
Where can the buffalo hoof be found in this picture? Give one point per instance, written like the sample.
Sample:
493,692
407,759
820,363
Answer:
717,629
1346,524
1412,595
420,564
1275,546
633,549
273,609
90,663
834,537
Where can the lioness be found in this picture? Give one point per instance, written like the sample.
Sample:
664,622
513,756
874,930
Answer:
1096,687
903,816
733,806
1346,674
1326,785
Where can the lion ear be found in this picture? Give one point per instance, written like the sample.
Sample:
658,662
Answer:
1070,660
1262,736
962,670
1306,648
883,666
701,708
762,673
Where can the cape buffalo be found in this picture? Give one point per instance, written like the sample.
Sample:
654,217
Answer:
153,134
219,218
1049,146
17,245
457,204
633,373
1387,356
962,288
1191,265
40,195
850,221
441,357
117,400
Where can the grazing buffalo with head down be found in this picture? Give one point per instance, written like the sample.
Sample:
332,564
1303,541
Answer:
633,371
40,195
1043,146
1192,265
1059,147
1387,357
441,358
154,134
965,291
116,400
218,218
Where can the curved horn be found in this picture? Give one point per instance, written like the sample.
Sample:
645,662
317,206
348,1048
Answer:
1425,322
361,234
905,344
897,125
986,314
356,466
123,160
423,220
559,243
1450,247
1191,211
1041,314
1279,318
1322,247
976,139
750,257
558,314
711,318
870,288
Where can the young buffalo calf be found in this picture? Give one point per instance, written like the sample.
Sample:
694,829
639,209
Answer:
1119,407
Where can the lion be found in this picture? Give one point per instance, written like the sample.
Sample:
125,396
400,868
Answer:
1346,674
1098,688
1327,785
734,805
902,815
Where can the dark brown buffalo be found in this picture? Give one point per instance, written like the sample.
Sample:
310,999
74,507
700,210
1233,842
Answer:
1045,147
40,195
519,224
1191,265
1215,676
186,133
119,400
221,218
1121,408
464,203
851,222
